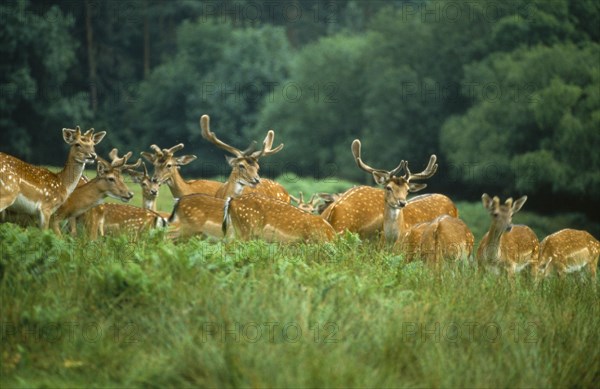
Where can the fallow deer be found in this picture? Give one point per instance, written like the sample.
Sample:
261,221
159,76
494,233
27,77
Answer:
166,169
108,182
244,167
37,191
504,245
445,238
309,206
369,211
115,219
568,251
258,216
198,215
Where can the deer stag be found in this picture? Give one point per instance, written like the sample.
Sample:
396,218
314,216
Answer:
504,245
201,215
35,190
258,216
309,206
244,166
166,169
568,251
108,182
367,211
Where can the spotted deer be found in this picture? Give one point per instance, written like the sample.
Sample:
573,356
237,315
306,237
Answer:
504,245
568,251
149,188
256,216
203,215
445,238
244,175
309,206
37,191
121,219
370,211
108,183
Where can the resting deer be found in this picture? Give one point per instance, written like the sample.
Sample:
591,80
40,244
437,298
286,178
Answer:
568,251
444,238
244,167
108,182
369,211
257,216
115,219
309,206
202,215
37,191
508,246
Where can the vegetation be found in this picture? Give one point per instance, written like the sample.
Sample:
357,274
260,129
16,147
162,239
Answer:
154,313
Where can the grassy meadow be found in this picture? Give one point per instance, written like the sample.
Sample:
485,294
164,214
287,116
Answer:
154,313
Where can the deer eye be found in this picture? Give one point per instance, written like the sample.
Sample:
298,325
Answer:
169,166
111,179
242,166
388,188
144,184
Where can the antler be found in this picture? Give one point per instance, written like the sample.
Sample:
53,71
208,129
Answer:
211,137
267,146
356,146
121,162
427,173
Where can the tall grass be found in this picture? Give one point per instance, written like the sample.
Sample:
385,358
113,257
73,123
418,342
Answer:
155,314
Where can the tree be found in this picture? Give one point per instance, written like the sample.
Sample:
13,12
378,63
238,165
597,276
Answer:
36,97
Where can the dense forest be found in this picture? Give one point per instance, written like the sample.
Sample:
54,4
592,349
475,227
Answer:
506,93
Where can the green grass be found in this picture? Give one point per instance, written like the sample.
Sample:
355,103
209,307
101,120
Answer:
154,313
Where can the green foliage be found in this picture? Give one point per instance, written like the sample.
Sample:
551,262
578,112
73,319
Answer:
37,52
532,119
231,314
505,93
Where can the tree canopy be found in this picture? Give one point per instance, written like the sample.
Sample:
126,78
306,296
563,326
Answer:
507,94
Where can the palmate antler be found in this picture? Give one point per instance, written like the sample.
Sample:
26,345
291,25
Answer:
267,148
379,175
121,162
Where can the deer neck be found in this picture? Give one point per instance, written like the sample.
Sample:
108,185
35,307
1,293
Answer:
177,184
232,188
392,220
492,250
71,173
82,199
149,203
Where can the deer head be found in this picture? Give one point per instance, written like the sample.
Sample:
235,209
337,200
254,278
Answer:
244,163
396,187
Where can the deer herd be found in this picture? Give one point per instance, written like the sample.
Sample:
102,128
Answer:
246,206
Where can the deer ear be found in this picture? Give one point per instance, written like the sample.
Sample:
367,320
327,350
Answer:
184,160
135,176
102,167
69,135
150,157
517,205
415,187
98,137
487,201
380,177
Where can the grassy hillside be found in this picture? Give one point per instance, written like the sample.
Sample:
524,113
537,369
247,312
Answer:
155,313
